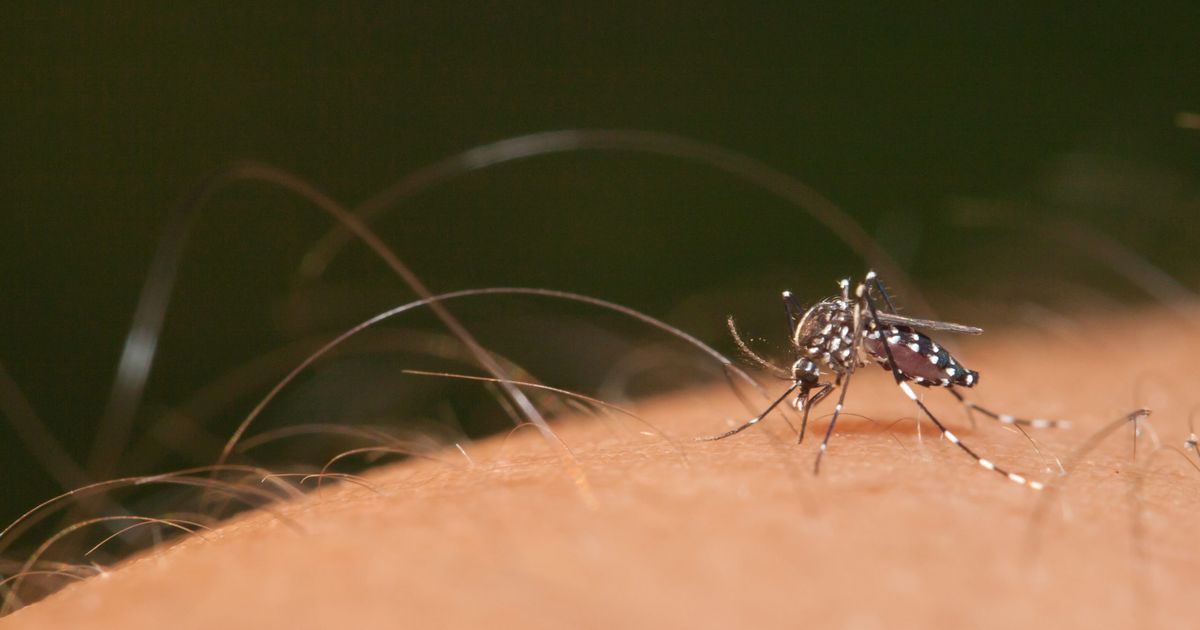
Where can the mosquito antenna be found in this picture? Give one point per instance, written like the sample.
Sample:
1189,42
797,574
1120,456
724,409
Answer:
752,355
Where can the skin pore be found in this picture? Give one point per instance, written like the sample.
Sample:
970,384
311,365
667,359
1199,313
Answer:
898,529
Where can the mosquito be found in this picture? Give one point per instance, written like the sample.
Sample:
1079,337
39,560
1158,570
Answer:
846,331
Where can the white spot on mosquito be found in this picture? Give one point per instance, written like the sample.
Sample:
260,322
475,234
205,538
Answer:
814,350
908,391
894,339
950,436
835,344
915,347
970,379
1039,423
987,463
827,329
914,337
934,347
1037,485
845,353
933,358
1016,478
1006,419
950,371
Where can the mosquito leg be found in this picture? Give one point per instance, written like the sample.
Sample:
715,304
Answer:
795,312
1003,418
844,381
807,405
887,299
908,391
837,410
953,439
753,421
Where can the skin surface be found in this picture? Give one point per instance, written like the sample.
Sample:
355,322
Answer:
897,531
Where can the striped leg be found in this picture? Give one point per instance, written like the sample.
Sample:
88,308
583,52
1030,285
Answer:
755,420
837,410
865,295
1003,418
795,312
844,379
806,405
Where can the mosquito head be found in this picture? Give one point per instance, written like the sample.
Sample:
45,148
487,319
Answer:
805,371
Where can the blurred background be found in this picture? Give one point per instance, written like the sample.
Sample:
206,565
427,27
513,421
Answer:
996,155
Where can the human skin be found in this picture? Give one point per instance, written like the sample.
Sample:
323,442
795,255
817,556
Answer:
898,530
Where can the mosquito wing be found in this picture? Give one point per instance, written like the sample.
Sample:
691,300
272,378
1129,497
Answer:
928,324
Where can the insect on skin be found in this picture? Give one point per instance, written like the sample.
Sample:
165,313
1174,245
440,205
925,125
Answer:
844,332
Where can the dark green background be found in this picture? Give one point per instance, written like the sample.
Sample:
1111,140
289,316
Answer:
907,119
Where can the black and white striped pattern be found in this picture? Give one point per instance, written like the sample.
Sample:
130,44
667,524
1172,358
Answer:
843,332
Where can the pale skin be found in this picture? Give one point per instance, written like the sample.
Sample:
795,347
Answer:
895,532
